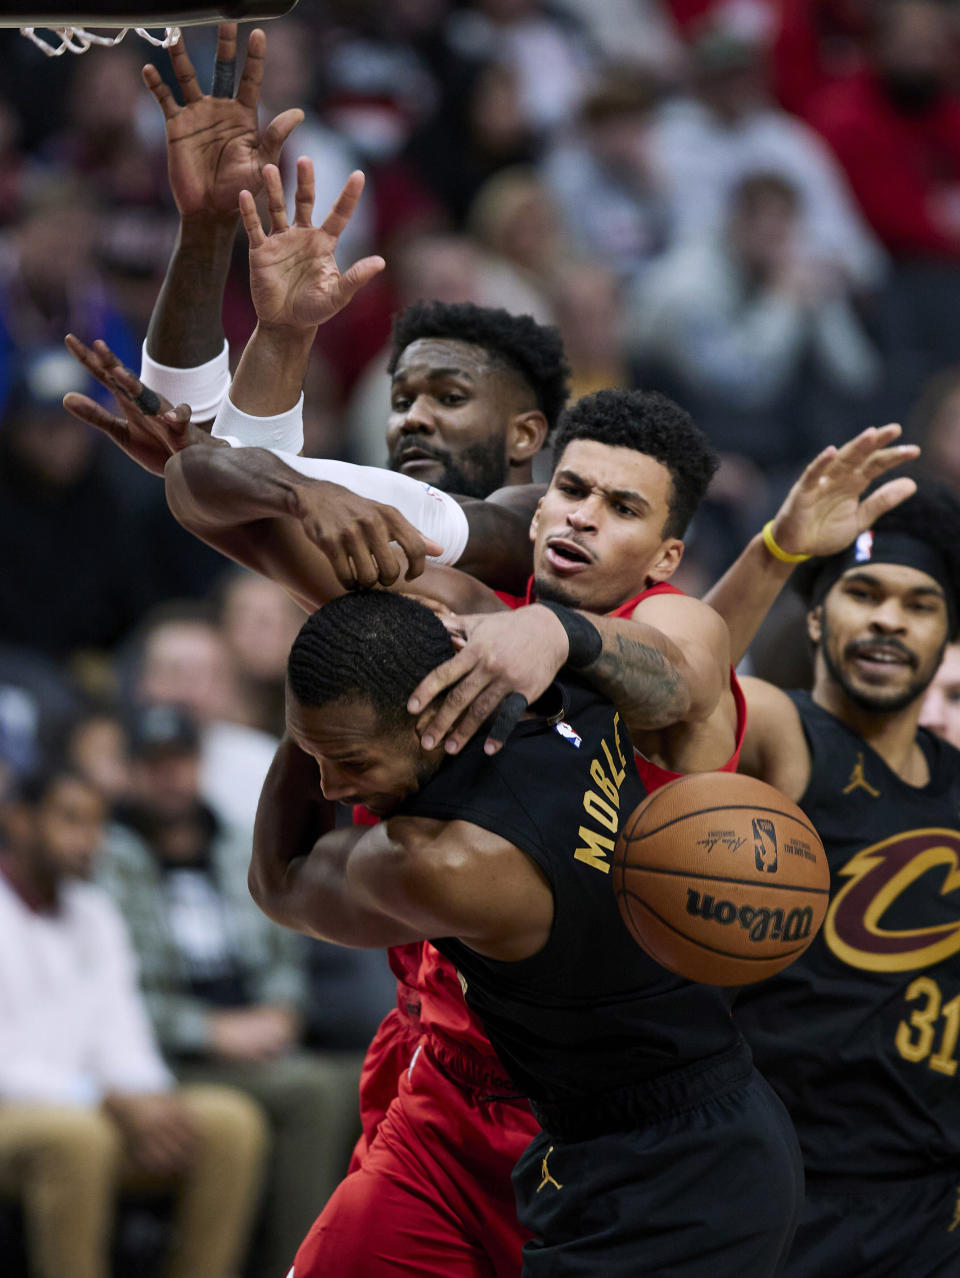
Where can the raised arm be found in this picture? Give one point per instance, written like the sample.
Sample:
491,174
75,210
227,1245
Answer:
215,149
406,879
824,511
296,285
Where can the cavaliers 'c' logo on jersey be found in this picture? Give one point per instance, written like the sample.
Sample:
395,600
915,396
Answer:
878,876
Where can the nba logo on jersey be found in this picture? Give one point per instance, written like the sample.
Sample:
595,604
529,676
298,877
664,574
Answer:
566,731
433,492
765,844
863,547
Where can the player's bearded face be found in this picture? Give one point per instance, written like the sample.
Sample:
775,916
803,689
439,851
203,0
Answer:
361,759
448,417
476,470
882,635
598,531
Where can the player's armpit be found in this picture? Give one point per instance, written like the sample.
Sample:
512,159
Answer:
453,878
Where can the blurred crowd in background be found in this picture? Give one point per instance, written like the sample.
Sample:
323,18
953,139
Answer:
753,205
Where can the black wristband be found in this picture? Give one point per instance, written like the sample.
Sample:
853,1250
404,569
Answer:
584,639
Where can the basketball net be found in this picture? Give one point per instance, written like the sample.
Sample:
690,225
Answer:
78,40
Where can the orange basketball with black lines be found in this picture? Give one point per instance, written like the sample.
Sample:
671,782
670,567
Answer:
721,878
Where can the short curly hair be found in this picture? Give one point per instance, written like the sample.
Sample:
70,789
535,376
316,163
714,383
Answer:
370,646
931,515
517,342
651,424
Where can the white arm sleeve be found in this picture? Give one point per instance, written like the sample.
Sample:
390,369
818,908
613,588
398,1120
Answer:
283,432
204,388
433,513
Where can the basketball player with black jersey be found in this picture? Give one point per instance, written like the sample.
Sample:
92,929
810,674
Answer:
860,1035
661,1145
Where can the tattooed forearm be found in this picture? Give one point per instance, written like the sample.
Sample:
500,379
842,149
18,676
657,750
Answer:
641,681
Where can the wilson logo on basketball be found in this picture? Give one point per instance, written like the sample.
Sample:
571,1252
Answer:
879,876
759,922
765,844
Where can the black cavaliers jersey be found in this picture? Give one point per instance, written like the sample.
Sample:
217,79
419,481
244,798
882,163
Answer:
590,1011
861,1036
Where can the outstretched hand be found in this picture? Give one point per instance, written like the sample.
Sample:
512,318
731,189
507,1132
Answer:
294,278
150,429
825,510
215,147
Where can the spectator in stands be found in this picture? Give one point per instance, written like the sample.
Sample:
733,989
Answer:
941,704
70,578
181,658
705,144
35,693
934,424
607,189
513,217
95,744
13,164
639,31
543,48
50,283
290,75
590,316
482,131
259,622
817,42
895,128
759,342
225,987
87,1106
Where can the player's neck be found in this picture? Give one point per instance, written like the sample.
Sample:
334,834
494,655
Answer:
892,736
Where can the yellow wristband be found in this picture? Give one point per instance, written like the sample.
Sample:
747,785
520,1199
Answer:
784,556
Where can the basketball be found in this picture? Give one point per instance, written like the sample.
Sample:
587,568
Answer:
721,878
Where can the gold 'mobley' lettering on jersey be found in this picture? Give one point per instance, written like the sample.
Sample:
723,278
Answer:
878,876
602,803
